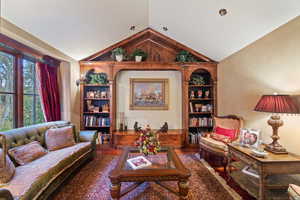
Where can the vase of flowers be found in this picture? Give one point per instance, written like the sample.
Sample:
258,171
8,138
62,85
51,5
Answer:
148,142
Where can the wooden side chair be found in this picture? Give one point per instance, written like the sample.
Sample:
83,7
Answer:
213,146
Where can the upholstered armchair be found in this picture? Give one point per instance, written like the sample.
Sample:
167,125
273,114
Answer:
213,145
294,192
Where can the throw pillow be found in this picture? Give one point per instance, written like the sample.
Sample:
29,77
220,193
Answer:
224,134
27,153
7,171
58,138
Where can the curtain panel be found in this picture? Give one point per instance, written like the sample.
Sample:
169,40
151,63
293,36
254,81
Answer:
49,90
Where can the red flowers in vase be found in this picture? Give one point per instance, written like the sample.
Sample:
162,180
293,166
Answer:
148,142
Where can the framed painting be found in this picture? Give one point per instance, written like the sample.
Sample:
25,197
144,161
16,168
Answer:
149,94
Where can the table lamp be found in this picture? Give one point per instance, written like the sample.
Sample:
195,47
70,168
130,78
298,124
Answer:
276,104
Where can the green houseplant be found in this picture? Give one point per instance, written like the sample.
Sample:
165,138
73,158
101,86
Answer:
139,55
185,56
118,54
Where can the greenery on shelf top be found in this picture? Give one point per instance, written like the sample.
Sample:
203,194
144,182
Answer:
139,52
197,80
117,51
185,56
92,77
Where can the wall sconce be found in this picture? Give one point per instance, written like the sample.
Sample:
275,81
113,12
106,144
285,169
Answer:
81,80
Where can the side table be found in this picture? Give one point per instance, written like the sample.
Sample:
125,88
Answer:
275,171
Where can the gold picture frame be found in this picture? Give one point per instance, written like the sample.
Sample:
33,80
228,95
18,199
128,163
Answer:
149,94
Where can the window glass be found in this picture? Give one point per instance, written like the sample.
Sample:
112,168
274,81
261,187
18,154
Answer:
32,108
6,112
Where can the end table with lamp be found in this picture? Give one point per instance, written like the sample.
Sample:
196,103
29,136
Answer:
276,104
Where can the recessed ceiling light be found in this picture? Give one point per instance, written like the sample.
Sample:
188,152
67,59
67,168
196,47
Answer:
165,28
132,28
222,11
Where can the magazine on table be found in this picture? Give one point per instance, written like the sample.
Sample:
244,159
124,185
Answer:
138,162
250,171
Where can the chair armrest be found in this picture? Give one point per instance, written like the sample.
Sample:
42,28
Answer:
88,136
5,194
4,147
205,134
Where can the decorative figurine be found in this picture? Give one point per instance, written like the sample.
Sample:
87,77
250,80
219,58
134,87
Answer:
136,127
192,94
200,93
206,93
164,128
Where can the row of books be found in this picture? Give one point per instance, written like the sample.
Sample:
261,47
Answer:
93,121
194,137
200,107
103,138
201,122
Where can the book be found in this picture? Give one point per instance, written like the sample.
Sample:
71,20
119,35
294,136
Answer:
138,162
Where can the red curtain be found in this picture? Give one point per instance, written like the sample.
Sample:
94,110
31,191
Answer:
49,90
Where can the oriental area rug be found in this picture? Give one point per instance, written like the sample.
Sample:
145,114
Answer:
92,183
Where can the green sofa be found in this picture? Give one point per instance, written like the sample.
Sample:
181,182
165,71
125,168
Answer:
40,178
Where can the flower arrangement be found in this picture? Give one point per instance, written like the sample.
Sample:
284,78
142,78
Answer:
148,143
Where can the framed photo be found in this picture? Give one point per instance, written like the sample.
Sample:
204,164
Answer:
149,94
138,162
250,137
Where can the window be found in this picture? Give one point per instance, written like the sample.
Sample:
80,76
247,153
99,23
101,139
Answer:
18,106
7,91
32,110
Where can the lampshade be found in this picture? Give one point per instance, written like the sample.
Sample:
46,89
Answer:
276,104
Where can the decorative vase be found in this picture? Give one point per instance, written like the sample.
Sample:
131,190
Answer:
119,58
138,58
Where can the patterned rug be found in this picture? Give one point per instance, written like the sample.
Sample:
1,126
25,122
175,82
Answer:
92,183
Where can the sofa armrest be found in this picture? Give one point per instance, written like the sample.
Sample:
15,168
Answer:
4,147
5,194
88,136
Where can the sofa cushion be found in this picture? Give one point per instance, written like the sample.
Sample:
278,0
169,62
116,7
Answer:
6,171
27,153
58,138
208,141
294,192
30,179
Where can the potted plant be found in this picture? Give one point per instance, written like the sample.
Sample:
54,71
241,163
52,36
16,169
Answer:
185,56
118,54
139,55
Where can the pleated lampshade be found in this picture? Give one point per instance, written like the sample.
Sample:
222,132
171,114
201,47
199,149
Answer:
277,104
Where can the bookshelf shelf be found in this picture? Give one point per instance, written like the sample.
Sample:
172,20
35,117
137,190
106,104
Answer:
200,113
95,85
95,112
100,99
191,86
201,99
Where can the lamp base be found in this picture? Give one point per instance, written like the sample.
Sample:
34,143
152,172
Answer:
275,150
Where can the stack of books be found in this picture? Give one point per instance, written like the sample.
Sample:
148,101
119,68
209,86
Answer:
93,121
194,137
201,122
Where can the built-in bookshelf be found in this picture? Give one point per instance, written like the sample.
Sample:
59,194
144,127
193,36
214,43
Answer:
201,107
96,110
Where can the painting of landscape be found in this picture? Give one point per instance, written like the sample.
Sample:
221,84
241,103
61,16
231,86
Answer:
149,94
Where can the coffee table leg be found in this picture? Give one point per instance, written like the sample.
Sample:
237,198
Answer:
183,186
115,191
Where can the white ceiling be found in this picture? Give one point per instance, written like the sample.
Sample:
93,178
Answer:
80,28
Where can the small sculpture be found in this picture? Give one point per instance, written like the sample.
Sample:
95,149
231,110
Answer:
164,128
136,127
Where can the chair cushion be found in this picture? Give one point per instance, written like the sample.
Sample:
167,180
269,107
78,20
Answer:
30,179
294,192
224,135
208,141
27,153
58,138
6,171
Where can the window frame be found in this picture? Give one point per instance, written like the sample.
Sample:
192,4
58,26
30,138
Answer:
18,91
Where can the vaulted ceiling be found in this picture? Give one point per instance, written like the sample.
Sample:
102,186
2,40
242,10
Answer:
80,28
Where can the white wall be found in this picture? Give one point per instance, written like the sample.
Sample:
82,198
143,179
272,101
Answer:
155,118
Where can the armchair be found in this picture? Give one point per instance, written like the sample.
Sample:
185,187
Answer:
212,145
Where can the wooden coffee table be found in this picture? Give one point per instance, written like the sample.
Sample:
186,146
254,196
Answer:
168,169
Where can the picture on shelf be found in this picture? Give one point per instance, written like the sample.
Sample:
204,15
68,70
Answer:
250,137
149,94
